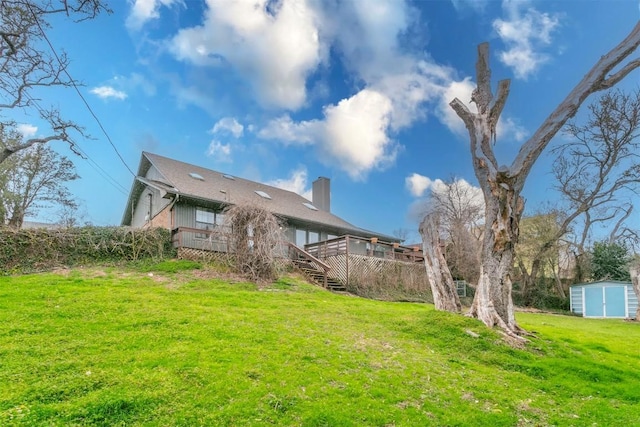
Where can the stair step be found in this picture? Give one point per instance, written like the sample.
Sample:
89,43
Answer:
316,276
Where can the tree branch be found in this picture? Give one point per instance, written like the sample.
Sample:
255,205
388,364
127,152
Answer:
595,80
482,94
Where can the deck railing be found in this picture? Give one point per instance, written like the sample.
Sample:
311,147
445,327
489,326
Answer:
295,253
353,245
213,240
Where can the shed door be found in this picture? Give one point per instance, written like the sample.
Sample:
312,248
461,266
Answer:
614,301
593,302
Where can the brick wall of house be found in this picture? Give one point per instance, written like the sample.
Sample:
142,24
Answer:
162,219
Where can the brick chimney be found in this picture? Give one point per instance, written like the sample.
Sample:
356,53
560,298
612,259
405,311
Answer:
321,194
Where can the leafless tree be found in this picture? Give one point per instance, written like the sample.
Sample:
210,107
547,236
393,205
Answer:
600,165
540,245
502,185
402,234
450,233
443,289
27,63
34,179
253,235
593,172
462,210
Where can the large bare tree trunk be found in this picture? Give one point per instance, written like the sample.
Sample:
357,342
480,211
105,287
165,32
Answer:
635,280
502,185
445,294
493,303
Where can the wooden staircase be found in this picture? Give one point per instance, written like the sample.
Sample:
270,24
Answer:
318,276
314,269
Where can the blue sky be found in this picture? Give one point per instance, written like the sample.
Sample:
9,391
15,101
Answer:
285,91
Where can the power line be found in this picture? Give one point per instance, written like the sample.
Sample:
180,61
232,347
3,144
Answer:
73,83
78,150
103,173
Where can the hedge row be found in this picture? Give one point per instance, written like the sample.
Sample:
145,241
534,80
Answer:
30,250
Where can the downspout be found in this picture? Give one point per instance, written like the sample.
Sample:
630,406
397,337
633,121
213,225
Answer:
173,220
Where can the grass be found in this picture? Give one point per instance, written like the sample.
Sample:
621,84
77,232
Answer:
180,347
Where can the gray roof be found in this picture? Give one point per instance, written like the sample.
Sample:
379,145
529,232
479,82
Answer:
223,189
600,283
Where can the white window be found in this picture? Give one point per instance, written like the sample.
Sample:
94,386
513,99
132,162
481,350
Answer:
197,176
313,237
301,238
205,220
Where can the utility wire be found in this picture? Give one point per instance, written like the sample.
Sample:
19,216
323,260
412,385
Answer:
73,83
78,150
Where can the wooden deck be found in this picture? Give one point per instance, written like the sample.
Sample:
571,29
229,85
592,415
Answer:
338,264
352,245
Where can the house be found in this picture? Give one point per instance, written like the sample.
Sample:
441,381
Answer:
172,194
190,200
604,299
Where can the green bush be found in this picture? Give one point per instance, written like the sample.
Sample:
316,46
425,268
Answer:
540,298
30,250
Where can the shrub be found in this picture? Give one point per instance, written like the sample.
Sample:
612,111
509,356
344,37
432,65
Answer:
30,250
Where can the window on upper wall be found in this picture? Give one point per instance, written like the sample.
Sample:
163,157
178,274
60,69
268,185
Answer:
205,220
301,238
313,237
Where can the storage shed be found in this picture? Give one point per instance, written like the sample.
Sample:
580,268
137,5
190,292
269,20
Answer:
606,298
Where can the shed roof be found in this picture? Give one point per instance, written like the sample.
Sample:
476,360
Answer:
196,182
601,283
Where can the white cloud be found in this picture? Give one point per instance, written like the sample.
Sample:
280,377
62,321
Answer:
275,46
26,130
356,133
286,131
297,182
352,135
107,92
456,89
509,128
221,152
145,10
475,5
525,35
230,125
417,184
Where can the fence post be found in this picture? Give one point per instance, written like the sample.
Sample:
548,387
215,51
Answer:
346,254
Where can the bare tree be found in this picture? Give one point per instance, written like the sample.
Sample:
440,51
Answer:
402,234
449,242
593,171
443,289
538,248
34,179
253,235
462,209
502,185
27,63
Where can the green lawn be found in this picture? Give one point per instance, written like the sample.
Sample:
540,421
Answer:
168,348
